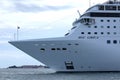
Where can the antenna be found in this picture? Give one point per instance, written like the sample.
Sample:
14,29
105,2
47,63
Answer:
18,32
79,12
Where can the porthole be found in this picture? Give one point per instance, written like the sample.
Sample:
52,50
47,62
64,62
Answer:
114,33
95,26
42,49
108,20
64,48
108,41
95,32
82,33
102,20
58,49
115,41
102,33
108,33
114,20
114,26
108,26
89,32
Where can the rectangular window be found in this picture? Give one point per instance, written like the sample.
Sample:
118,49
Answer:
118,7
42,49
101,7
64,48
58,49
53,49
110,7
101,14
108,41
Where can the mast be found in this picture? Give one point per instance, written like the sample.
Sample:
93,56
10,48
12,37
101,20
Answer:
18,32
79,13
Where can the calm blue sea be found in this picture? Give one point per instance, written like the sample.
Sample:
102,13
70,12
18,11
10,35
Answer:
47,74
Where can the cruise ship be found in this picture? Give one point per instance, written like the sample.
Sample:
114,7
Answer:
93,44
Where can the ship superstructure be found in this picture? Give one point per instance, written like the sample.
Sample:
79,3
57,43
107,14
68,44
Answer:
93,44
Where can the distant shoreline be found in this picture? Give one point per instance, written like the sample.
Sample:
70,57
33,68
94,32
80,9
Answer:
27,66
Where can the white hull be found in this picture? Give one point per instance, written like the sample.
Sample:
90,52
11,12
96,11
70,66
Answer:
93,44
84,56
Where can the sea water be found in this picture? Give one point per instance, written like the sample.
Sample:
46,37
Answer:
48,74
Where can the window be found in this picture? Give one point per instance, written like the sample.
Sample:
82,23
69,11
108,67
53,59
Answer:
108,20
108,41
64,48
102,14
114,26
114,20
101,20
87,21
42,49
95,26
114,33
95,32
101,7
58,49
102,33
108,26
110,2
115,41
110,7
108,33
82,32
89,32
118,7
53,49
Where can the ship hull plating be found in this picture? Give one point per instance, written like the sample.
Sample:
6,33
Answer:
92,44
73,55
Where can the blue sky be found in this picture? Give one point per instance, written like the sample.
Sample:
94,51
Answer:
36,19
